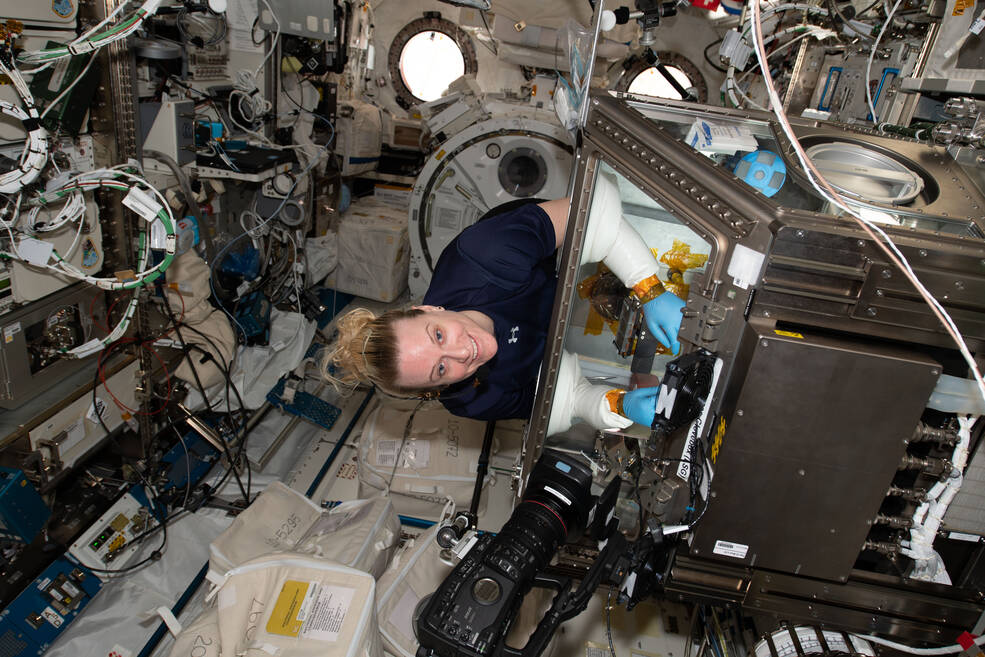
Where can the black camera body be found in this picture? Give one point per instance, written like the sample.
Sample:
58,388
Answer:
473,609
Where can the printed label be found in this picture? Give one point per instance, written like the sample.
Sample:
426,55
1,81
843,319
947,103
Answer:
52,617
10,331
596,650
684,469
716,443
557,494
119,651
726,549
97,409
960,6
71,589
789,334
286,619
90,254
326,619
416,454
74,434
62,8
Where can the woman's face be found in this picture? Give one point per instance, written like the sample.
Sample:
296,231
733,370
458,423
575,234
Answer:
441,347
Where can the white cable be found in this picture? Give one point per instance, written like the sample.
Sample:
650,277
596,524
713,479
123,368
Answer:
925,652
879,237
34,156
273,43
868,64
67,89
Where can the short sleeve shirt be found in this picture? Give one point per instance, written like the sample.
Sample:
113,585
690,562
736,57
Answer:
502,266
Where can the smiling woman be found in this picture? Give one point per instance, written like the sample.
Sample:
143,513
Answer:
441,347
478,342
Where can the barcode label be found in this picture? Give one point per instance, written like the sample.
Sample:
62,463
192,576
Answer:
416,454
737,550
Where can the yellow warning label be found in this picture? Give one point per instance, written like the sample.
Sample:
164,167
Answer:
789,334
961,5
716,443
440,154
286,618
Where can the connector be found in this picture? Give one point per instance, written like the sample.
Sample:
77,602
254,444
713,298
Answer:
142,203
734,50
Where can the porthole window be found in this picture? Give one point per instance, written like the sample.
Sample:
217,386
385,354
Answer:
429,63
651,82
641,76
426,56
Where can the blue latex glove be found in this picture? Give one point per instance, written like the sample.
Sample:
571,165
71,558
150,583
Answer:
640,405
663,318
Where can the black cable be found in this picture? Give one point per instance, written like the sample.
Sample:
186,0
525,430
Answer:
492,42
225,367
712,64
236,428
186,350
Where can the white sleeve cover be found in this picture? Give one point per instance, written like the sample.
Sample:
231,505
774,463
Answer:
611,239
575,397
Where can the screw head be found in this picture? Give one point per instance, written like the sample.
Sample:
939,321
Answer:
887,273
871,312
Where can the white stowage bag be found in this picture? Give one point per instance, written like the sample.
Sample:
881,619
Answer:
287,605
201,638
438,460
362,534
416,571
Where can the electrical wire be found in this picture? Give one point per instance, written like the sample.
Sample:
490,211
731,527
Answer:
92,39
69,88
925,652
878,236
868,63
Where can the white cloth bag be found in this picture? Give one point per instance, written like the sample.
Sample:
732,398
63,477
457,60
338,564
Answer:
361,534
438,460
295,605
416,571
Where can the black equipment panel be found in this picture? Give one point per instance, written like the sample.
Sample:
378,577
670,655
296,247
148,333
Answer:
814,440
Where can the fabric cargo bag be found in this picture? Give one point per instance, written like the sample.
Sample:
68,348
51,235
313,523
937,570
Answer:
438,460
362,534
295,605
415,572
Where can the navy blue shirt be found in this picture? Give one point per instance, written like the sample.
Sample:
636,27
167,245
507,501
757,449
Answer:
502,266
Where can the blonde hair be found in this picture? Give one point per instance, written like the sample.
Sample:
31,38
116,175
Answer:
366,352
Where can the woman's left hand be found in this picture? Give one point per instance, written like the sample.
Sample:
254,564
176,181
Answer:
640,405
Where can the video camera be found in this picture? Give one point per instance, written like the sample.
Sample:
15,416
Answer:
471,612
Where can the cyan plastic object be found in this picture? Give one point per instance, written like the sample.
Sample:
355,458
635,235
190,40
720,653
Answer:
764,170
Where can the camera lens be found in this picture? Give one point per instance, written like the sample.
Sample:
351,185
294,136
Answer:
554,508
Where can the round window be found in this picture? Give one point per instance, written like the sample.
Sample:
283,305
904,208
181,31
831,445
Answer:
429,63
641,76
651,82
426,56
